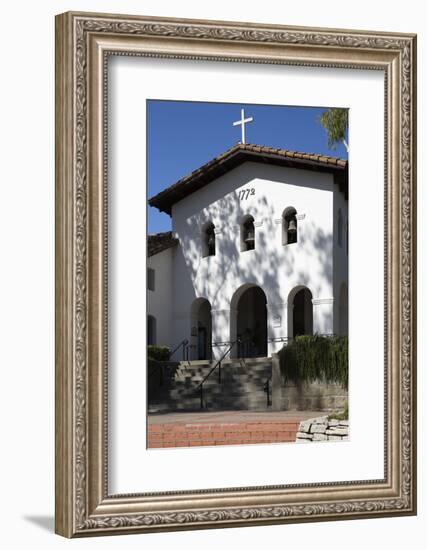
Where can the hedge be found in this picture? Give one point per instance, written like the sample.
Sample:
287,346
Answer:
158,353
311,358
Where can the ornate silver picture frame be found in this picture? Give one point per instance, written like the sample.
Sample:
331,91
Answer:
84,42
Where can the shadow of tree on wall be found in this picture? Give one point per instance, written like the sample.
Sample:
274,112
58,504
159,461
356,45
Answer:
264,266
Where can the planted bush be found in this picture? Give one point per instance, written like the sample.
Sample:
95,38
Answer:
158,353
342,415
310,358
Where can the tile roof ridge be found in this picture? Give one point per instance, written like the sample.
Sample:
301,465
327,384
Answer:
293,152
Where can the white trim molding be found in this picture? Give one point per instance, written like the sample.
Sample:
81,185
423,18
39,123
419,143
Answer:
322,301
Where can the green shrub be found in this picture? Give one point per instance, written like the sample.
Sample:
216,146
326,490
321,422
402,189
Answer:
340,415
158,353
310,358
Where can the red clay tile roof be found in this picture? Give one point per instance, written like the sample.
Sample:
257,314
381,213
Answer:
240,153
160,241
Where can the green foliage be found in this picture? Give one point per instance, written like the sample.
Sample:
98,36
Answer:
335,122
311,358
340,415
158,353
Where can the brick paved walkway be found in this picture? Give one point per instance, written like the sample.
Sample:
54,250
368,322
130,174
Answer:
223,428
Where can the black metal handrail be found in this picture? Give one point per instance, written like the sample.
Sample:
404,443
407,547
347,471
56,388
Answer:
289,339
182,344
267,390
217,364
158,365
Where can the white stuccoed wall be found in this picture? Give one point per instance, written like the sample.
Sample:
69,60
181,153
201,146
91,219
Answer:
341,257
159,301
277,269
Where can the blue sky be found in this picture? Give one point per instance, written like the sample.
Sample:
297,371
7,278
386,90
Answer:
182,136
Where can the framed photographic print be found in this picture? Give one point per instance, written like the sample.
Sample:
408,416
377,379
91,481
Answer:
235,274
247,303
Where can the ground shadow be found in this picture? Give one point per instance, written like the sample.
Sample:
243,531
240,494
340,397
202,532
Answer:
44,522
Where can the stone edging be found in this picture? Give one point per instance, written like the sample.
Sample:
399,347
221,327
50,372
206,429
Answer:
322,429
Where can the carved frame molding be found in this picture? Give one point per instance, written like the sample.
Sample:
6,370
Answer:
83,43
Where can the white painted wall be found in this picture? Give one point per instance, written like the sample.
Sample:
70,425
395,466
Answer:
159,301
276,268
341,257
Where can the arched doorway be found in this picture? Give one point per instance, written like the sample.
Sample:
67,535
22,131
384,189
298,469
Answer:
250,322
201,329
301,312
343,310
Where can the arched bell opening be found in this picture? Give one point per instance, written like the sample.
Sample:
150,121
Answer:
208,240
289,226
247,233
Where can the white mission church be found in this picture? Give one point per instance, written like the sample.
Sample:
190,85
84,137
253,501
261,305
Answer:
258,253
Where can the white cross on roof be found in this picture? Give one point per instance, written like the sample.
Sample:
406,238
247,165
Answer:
242,123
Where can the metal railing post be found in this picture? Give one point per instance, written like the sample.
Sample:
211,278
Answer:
184,345
217,364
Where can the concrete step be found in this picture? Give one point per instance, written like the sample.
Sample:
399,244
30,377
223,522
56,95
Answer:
241,385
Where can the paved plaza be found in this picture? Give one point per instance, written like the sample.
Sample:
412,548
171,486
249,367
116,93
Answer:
192,429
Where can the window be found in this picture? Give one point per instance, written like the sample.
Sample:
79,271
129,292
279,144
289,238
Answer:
150,279
208,240
340,227
151,331
289,226
248,234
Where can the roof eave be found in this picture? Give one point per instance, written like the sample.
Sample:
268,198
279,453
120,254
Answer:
164,200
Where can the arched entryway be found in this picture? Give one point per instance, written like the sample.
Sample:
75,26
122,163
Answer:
201,329
249,322
300,319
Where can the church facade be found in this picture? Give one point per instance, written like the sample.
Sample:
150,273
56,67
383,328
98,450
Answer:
258,254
